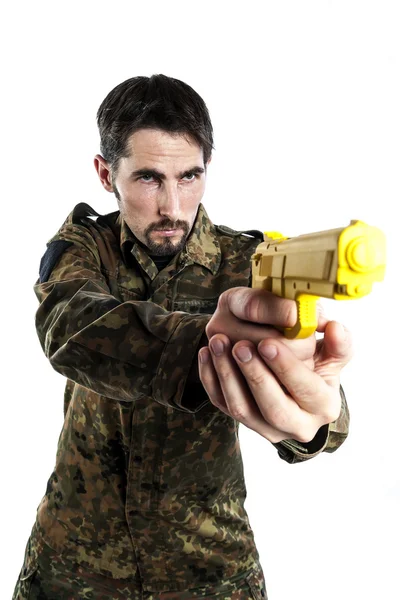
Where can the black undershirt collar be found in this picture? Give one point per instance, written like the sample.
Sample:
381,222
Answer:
161,261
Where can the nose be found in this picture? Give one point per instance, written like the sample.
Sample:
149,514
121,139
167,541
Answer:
169,204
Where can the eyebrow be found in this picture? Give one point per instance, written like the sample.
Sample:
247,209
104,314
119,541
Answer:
154,173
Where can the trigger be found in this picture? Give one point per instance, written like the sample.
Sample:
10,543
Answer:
307,317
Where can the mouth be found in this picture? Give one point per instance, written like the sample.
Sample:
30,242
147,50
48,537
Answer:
167,232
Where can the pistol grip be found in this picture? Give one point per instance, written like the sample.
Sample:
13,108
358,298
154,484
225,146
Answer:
307,317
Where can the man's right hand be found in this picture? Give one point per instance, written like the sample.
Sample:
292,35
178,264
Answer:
254,315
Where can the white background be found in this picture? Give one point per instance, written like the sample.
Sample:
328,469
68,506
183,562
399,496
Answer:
305,101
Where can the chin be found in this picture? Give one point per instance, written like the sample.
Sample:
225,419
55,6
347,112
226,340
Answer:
167,247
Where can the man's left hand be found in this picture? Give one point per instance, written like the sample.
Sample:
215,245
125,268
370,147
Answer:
279,396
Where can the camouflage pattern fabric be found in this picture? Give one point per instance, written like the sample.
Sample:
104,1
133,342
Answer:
148,486
47,575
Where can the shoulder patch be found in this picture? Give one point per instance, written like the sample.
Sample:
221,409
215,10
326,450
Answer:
233,233
51,257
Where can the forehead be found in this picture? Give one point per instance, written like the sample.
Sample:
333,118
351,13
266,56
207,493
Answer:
158,145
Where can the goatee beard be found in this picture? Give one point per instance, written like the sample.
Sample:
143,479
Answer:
166,247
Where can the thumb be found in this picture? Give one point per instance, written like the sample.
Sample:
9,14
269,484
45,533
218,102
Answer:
337,343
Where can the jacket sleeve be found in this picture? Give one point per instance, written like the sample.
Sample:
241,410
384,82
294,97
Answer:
328,438
122,350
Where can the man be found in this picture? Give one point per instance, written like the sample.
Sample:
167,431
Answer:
149,313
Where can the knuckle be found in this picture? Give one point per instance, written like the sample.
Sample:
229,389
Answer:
215,400
212,328
214,323
224,373
332,414
306,389
254,308
256,378
303,348
275,438
305,435
205,379
277,419
226,297
203,376
239,413
223,300
289,312
331,402
237,301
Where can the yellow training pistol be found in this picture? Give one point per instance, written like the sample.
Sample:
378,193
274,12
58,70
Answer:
338,263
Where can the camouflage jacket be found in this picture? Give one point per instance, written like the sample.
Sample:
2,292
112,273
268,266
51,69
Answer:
148,478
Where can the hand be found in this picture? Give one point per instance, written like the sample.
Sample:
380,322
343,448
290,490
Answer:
251,391
254,315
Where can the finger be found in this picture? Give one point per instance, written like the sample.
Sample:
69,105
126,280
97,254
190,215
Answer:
338,342
209,379
303,348
308,388
239,401
233,387
277,406
321,316
261,306
272,310
333,353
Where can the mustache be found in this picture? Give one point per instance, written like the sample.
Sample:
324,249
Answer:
166,224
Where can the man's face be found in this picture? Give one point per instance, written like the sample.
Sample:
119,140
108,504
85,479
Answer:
158,187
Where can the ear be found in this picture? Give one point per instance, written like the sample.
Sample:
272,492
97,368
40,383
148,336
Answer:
208,162
104,172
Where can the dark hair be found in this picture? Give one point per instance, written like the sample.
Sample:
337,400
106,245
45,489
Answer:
158,102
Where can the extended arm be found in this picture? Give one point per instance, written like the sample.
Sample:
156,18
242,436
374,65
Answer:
118,349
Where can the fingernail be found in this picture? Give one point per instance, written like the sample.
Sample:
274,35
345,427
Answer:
217,347
204,356
268,351
244,353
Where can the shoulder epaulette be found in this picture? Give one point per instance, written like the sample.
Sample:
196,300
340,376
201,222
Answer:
233,233
80,211
83,210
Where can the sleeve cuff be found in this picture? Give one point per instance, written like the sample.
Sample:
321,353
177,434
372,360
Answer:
175,364
327,439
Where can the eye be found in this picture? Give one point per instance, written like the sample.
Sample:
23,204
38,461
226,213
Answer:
146,177
191,176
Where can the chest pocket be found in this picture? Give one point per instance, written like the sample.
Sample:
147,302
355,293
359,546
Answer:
192,297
